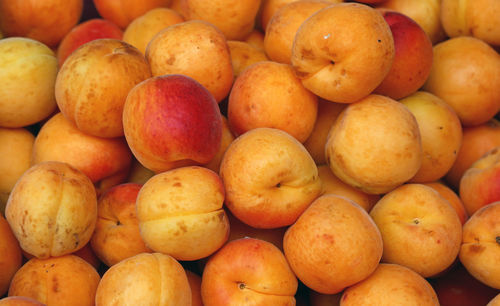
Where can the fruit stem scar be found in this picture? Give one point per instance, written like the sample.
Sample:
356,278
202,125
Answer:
241,286
498,239
416,221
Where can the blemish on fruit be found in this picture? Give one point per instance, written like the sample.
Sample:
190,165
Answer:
378,40
476,248
241,286
497,239
416,221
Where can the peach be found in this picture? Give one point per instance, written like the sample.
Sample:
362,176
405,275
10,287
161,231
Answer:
480,247
236,19
52,209
427,13
452,197
441,134
391,284
243,54
476,141
16,146
195,285
420,229
331,54
412,60
374,145
123,12
161,280
116,235
143,28
248,271
194,48
84,32
19,301
226,139
45,21
333,185
281,28
62,280
320,253
106,161
465,75
172,121
477,18
270,7
480,184
28,71
180,213
11,258
268,94
326,116
93,84
269,178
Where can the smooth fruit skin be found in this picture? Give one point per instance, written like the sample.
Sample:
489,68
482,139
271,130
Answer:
330,53
172,120
248,271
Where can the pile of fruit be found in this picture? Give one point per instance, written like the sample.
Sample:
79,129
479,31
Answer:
250,152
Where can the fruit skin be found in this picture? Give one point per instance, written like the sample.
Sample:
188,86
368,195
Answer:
406,287
122,12
94,81
374,145
180,213
283,26
61,280
84,32
441,134
427,13
105,161
44,21
480,247
476,141
16,147
465,75
171,121
197,49
236,19
331,54
26,64
269,178
143,28
420,229
268,94
412,60
116,235
52,209
248,271
11,258
19,301
160,280
449,194
480,184
477,18
321,254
